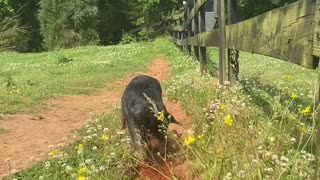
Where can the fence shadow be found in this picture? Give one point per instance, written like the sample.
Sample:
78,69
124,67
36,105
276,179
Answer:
258,91
262,94
212,67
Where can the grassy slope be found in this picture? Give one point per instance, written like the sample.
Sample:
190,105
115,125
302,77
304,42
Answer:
261,128
26,79
266,135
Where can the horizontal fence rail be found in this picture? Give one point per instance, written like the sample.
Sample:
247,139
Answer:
289,33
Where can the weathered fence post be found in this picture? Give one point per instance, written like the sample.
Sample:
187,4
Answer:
233,55
176,23
188,26
222,41
182,32
170,21
202,50
215,9
316,44
195,26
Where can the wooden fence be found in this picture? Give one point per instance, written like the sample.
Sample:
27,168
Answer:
290,33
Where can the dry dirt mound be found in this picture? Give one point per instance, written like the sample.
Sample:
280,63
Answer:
30,134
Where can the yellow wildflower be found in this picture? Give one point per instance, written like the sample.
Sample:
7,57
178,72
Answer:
160,116
53,153
306,111
293,96
222,107
189,141
201,137
104,138
228,121
82,171
81,178
79,147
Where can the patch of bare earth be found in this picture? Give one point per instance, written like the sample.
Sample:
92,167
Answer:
29,135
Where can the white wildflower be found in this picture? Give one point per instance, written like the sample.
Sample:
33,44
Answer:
69,168
293,140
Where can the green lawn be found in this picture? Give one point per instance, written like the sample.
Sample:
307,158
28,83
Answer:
27,79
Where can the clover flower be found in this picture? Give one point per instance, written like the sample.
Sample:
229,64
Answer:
69,168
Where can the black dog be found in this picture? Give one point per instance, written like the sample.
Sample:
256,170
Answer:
143,94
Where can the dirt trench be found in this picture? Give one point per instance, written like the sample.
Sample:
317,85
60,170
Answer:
29,135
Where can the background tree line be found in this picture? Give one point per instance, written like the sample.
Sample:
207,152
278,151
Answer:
37,25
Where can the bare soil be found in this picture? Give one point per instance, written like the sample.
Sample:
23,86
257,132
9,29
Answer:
29,135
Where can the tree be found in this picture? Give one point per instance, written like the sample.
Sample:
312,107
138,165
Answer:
13,36
5,9
113,20
66,24
251,8
152,9
28,12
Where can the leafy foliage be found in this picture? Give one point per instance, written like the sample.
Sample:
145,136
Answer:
13,36
27,11
5,9
153,9
113,20
68,24
127,38
251,8
65,24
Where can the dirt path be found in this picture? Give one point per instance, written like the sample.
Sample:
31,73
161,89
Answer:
30,134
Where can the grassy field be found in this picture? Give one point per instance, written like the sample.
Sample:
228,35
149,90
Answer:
27,79
263,128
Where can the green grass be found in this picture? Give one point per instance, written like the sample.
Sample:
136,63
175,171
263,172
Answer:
27,79
255,130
